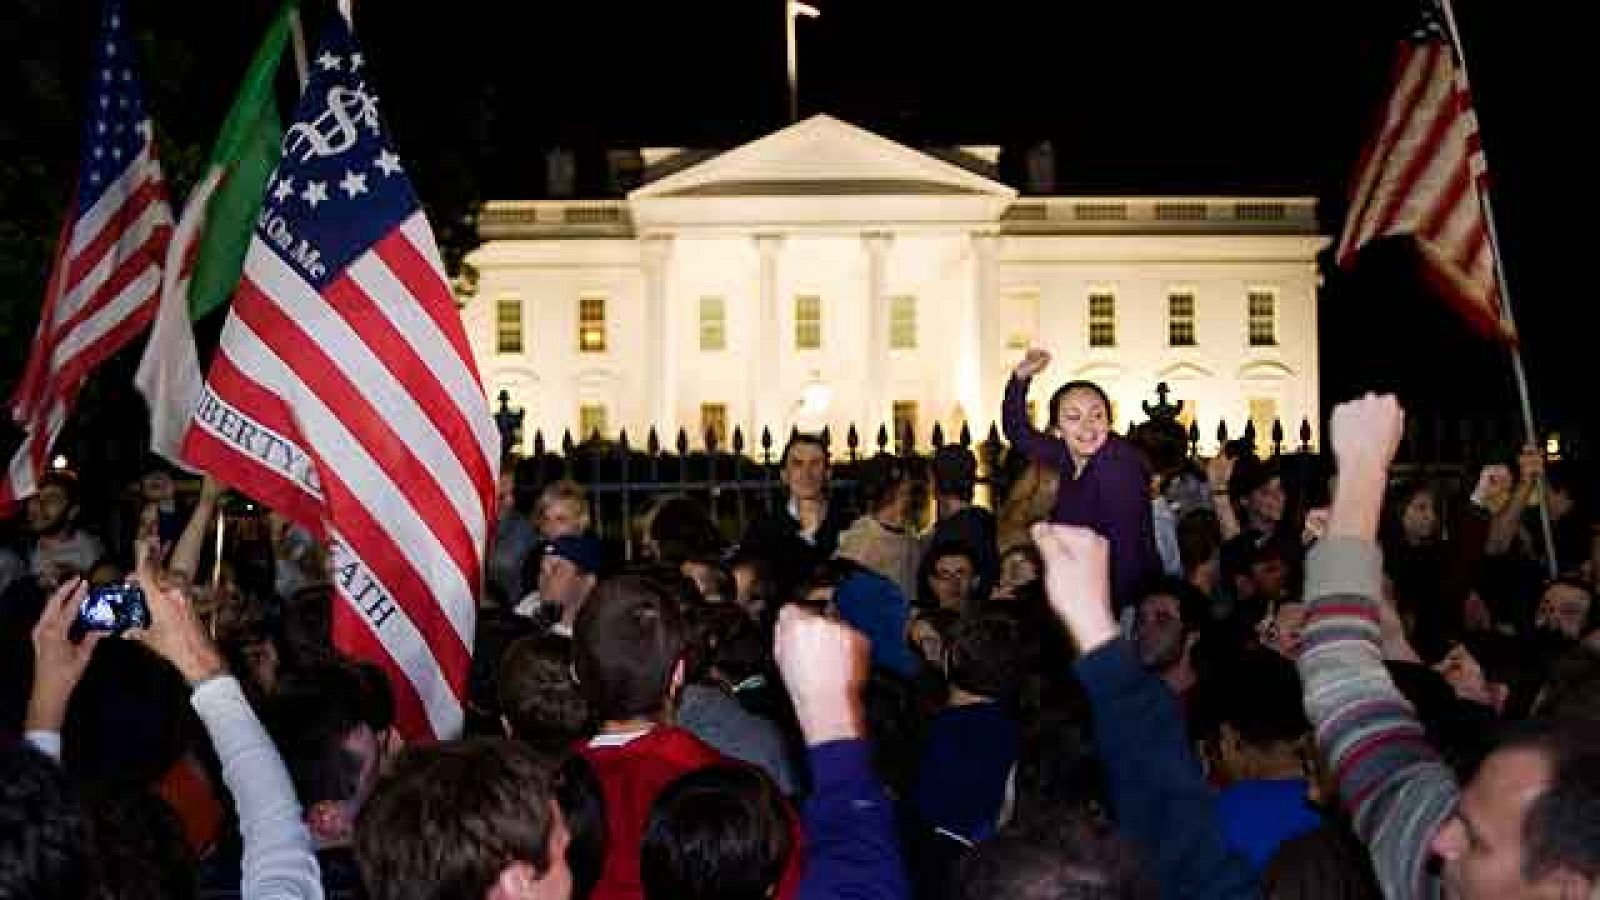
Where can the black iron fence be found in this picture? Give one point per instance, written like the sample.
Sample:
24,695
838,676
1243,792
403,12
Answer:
737,480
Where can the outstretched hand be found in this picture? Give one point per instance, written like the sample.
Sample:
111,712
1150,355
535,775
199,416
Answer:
1033,362
1077,581
824,667
58,663
175,632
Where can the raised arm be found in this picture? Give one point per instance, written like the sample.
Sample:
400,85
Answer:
185,559
1507,521
1014,416
852,851
1390,779
1158,794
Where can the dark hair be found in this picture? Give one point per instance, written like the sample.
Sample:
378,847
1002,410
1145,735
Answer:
878,478
537,695
1259,695
65,481
1080,385
1058,772
1572,689
1199,534
1328,863
682,529
1562,827
985,655
139,847
955,471
802,437
1194,607
582,803
451,817
712,627
128,719
720,832
311,716
306,627
43,844
953,547
626,641
1067,858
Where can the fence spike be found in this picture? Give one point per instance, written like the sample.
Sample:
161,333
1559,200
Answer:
1222,432
766,444
1194,437
1250,433
622,441
683,442
827,438
883,438
566,442
1305,434
652,442
938,435
538,443
994,434
1277,436
711,440
966,433
738,441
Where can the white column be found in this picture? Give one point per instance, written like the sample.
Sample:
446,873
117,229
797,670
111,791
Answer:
875,408
976,385
764,362
660,379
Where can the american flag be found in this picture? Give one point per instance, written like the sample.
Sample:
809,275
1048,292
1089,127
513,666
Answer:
106,275
1423,175
343,394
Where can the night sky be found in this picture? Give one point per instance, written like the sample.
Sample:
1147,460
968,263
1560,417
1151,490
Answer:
1249,97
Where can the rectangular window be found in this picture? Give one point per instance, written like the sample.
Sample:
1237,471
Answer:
1102,319
1263,319
592,324
1024,316
508,324
714,424
713,324
903,322
1180,319
808,322
591,421
1263,412
905,425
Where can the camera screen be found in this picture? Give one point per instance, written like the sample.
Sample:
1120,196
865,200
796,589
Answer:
114,608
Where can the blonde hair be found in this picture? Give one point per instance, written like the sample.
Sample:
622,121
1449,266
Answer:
564,491
1032,497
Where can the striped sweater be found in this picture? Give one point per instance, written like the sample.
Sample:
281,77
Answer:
1393,783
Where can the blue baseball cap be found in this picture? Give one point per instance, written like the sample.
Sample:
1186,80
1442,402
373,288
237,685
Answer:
581,550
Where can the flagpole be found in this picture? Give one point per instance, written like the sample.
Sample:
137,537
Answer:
297,37
1518,370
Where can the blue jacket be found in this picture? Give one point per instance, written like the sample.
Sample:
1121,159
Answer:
852,844
1158,794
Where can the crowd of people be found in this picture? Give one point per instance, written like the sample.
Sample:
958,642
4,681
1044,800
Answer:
1138,676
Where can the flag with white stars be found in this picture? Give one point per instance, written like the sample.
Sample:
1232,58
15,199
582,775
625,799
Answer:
106,277
344,395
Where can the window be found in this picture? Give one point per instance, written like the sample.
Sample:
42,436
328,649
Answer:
905,425
592,324
903,322
1180,319
1263,319
713,324
591,421
508,324
1024,316
1263,412
1102,319
714,423
808,322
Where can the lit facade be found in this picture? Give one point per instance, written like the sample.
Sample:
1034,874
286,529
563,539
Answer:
824,275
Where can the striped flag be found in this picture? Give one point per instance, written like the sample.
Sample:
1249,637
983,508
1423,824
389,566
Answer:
107,270
208,247
1423,175
343,394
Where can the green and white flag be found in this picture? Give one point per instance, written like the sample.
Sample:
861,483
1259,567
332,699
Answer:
208,246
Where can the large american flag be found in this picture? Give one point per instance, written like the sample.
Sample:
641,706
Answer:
344,395
1423,174
106,275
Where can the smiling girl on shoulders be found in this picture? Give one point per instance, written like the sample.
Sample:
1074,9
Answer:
1105,482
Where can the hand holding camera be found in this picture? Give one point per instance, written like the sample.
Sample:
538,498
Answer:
173,628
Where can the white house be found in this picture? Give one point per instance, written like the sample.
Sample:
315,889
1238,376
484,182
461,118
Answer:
825,275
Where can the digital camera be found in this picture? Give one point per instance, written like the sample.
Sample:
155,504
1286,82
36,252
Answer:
113,608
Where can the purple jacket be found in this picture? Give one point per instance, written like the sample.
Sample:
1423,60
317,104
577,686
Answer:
852,842
1111,495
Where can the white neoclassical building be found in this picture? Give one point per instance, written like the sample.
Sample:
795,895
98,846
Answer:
825,275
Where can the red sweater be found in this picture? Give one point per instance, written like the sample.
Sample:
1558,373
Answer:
631,775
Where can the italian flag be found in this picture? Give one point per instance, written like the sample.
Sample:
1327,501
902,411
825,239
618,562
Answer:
208,246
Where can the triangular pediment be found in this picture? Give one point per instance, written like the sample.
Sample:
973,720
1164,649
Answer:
822,156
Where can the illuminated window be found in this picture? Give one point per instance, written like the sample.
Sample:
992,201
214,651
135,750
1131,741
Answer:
713,324
1263,319
714,423
592,324
1180,319
1102,319
591,420
508,324
1024,316
903,322
808,322
905,424
1263,412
